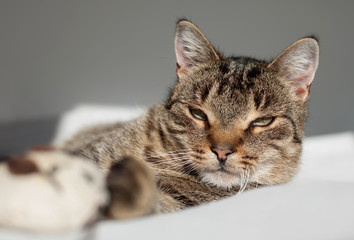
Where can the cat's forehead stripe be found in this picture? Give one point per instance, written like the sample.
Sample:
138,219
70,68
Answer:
232,66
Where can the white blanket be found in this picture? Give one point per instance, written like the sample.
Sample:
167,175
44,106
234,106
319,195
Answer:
318,204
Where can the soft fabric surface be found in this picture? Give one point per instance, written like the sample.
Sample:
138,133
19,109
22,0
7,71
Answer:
318,204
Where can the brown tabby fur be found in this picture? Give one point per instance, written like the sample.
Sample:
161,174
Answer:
164,160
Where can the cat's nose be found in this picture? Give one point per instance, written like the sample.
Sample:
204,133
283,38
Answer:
222,153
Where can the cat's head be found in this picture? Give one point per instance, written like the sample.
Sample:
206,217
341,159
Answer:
243,118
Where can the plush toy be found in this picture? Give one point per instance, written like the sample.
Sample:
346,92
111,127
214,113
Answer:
47,190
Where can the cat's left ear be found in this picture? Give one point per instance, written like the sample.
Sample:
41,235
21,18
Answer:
298,64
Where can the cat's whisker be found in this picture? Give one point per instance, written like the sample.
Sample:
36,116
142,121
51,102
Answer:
241,182
174,162
191,168
180,150
177,150
167,155
247,179
168,164
248,175
167,160
242,188
245,175
177,166
174,153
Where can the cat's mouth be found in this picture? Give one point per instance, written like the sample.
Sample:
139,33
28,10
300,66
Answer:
224,170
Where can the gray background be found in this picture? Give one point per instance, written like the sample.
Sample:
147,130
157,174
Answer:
57,54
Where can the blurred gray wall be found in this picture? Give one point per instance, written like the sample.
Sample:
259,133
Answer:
56,54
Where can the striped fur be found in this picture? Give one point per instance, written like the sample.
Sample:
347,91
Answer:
175,148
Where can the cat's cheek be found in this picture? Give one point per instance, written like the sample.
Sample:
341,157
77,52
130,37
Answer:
261,176
263,130
273,174
199,126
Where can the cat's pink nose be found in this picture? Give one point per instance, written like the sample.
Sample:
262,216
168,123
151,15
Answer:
222,153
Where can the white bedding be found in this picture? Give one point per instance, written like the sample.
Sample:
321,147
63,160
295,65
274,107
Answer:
318,204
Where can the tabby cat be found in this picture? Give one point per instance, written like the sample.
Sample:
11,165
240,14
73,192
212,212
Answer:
229,124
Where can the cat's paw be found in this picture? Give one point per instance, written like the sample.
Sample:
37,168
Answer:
49,190
133,189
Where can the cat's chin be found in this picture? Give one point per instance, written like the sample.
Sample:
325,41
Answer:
221,179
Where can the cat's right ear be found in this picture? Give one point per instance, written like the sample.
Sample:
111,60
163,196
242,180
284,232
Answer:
192,48
298,64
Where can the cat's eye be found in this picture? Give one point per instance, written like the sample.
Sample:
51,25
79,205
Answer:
263,121
198,114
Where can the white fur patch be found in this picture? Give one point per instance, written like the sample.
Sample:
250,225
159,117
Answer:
65,194
221,179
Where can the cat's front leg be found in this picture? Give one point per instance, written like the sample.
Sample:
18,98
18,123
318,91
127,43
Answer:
132,188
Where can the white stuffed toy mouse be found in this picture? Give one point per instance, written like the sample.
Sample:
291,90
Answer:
49,191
